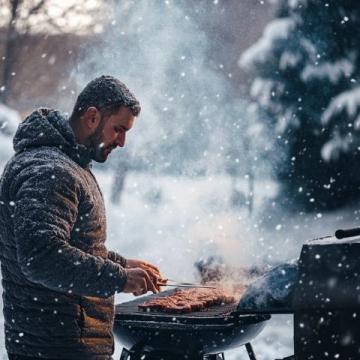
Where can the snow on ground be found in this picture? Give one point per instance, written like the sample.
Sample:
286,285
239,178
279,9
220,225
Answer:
275,341
9,121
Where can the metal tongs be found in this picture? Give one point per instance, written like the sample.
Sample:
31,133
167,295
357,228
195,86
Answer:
174,283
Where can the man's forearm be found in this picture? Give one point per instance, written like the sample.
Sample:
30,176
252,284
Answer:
61,267
117,258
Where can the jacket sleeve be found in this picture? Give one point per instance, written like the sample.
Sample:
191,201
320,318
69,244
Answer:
117,258
45,207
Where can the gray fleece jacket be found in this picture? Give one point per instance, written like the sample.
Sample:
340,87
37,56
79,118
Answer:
58,277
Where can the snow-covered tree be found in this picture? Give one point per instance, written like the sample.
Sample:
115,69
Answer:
306,68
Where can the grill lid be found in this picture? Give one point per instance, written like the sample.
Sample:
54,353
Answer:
329,276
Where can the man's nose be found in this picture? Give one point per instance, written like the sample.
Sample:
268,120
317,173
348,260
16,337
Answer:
121,139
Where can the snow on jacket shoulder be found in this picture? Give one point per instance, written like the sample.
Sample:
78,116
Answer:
58,277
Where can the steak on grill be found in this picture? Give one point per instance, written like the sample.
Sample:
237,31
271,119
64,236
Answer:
185,301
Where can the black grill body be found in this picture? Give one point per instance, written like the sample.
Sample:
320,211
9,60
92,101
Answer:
326,302
184,336
326,308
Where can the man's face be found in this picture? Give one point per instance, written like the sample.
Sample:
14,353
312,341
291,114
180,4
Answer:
111,133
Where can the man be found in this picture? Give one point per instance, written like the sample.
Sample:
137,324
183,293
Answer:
58,277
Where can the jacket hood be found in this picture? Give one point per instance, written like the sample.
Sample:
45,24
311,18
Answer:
47,127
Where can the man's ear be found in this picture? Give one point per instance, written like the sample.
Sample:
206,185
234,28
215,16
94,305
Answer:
92,118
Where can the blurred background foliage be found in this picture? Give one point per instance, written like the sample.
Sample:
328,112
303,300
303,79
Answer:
250,89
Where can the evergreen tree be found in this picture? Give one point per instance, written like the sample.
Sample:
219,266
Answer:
307,72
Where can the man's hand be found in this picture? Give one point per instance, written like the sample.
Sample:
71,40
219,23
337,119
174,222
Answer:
139,282
152,270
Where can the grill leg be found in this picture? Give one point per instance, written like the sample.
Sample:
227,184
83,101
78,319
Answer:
130,355
250,351
125,354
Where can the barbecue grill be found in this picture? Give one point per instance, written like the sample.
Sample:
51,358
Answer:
192,336
326,300
325,306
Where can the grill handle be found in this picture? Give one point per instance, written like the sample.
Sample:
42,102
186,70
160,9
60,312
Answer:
345,233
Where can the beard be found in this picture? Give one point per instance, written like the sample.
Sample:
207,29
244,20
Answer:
98,151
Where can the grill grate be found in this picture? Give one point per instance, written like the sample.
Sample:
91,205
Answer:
212,315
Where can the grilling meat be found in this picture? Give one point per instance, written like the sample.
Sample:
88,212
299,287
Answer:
185,301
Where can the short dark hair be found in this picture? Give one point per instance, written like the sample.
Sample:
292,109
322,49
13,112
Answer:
107,94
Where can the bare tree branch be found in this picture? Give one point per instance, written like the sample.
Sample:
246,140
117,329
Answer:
51,21
36,8
24,17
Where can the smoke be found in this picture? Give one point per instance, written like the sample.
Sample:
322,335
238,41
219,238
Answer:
193,126
192,123
160,50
